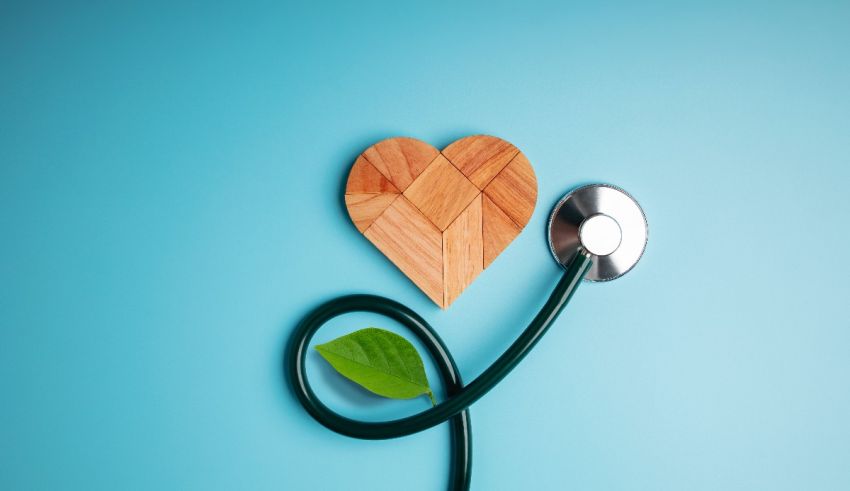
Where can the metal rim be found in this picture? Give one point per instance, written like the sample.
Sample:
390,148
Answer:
628,214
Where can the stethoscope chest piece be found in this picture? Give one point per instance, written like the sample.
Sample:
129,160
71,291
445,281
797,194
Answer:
604,221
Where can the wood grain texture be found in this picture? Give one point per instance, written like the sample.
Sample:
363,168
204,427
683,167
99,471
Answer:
441,217
413,244
365,208
480,157
401,160
365,178
514,190
441,192
463,251
498,230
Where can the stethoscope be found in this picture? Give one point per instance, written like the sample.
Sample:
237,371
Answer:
597,232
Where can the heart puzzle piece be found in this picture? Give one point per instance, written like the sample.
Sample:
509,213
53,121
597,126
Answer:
441,217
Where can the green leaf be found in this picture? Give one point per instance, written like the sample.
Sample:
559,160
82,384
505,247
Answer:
380,361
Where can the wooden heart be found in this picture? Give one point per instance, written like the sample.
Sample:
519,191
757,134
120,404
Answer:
443,216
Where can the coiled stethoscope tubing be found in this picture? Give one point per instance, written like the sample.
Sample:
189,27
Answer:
580,225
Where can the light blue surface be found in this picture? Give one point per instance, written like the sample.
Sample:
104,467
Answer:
170,181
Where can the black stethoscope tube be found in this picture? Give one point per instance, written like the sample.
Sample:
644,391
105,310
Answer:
459,397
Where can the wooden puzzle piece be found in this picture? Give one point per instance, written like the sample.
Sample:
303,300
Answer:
441,192
463,251
498,230
413,244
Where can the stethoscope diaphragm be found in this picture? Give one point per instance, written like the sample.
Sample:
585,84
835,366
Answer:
604,221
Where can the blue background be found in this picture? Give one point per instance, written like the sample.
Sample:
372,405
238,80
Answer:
170,208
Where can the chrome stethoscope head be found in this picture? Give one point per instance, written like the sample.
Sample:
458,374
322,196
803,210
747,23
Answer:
603,221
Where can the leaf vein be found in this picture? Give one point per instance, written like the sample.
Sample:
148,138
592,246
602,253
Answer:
381,370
